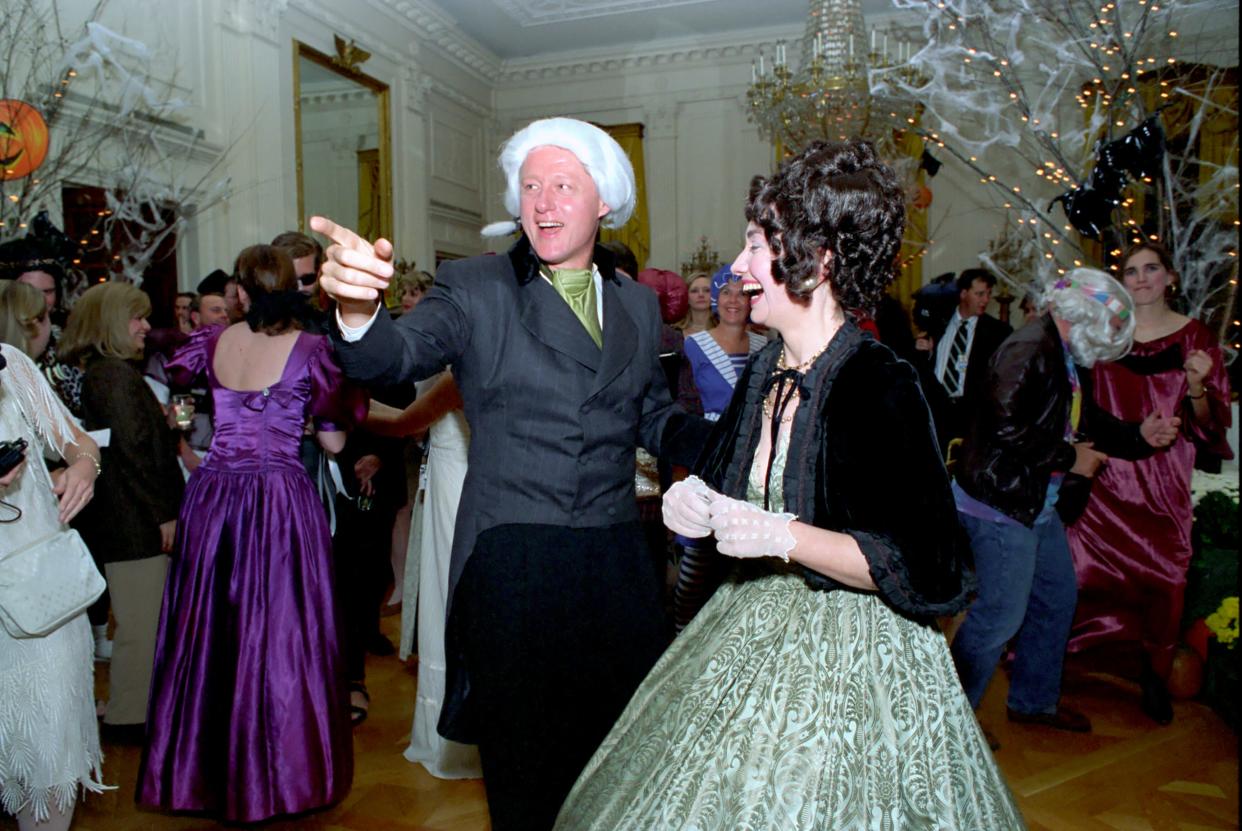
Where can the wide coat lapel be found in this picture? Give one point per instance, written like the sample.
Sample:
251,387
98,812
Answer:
620,335
546,315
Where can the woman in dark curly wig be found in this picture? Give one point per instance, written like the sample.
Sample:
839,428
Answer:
814,690
249,712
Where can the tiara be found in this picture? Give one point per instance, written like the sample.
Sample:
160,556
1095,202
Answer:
1111,303
30,264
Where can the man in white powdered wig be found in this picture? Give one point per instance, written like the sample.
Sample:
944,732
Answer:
555,610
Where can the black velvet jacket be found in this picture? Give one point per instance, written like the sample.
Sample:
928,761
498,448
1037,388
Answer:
863,461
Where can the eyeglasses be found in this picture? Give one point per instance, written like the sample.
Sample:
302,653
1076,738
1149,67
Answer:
308,279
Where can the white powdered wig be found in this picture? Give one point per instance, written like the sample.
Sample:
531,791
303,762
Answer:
599,153
1100,311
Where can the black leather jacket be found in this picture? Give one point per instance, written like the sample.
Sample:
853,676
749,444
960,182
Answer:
1016,436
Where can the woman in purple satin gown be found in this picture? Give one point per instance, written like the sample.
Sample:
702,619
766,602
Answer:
249,714
1131,547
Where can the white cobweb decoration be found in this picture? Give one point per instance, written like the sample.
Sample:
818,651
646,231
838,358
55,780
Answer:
1005,87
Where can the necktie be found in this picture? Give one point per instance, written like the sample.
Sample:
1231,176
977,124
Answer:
577,287
952,369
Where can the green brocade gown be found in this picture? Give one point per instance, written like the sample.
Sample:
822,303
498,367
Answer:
785,708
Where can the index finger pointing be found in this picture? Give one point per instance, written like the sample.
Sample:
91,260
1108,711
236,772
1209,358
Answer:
337,233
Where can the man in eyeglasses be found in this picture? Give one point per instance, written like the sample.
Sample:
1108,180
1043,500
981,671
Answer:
307,256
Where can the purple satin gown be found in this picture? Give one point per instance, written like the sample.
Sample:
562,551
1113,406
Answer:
249,715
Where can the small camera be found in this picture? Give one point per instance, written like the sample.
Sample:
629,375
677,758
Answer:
11,455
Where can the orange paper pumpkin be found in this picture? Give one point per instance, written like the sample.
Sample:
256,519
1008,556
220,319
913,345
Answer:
922,197
23,139
1186,673
1196,637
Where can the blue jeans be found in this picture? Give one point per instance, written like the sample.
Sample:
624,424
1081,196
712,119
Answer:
1027,588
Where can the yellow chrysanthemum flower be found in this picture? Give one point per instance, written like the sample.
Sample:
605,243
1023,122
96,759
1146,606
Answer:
1224,621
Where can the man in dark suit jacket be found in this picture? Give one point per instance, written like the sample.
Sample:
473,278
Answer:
555,609
958,356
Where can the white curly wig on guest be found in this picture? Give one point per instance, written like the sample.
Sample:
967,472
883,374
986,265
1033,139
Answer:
1099,310
599,153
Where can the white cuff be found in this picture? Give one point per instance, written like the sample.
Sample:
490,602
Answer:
350,334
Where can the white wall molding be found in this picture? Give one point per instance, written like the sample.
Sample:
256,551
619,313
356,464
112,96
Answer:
260,18
350,29
647,106
415,84
541,12
453,230
175,139
431,26
454,213
656,57
464,101
328,98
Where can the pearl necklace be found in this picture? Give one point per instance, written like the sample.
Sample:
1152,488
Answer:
805,365
769,405
769,401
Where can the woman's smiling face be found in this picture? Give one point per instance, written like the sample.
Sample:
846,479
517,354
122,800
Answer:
732,307
753,265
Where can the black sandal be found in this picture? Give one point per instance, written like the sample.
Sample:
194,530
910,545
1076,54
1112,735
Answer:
358,713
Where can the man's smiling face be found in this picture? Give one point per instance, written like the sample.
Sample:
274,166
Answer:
561,207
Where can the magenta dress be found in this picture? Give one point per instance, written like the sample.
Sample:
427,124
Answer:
249,716
1131,547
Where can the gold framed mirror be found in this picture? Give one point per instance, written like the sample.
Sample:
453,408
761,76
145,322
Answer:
343,141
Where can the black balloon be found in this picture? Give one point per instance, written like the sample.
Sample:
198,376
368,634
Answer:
930,163
1139,152
1144,148
1117,154
1107,179
1087,210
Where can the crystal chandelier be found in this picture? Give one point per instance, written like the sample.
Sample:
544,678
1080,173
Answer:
829,97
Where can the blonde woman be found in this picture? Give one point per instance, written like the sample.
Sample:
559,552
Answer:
24,320
130,525
699,317
410,286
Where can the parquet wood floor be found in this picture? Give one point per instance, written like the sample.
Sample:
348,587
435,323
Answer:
1127,775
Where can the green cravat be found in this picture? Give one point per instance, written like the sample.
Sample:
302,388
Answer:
577,287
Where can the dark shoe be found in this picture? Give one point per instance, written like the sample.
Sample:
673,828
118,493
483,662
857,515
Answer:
358,712
132,735
1155,701
1063,719
379,645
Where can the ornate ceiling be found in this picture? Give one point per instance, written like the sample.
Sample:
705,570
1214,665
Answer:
514,29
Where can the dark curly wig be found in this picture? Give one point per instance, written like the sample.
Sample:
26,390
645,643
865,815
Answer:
837,197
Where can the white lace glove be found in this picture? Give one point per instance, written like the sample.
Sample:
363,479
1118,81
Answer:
686,508
744,530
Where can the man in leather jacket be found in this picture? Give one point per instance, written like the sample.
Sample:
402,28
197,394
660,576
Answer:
1034,425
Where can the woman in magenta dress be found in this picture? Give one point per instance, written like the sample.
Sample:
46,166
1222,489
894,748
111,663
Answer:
1132,545
249,714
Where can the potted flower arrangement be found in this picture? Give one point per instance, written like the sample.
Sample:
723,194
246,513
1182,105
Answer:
1211,611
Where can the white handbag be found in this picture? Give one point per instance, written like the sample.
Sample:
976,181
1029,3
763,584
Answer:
46,583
